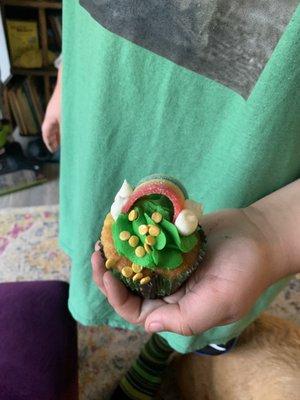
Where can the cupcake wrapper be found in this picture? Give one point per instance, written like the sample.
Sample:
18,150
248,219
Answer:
160,286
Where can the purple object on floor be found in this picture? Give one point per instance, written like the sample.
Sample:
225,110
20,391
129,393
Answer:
38,342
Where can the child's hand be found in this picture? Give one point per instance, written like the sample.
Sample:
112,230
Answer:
51,123
241,262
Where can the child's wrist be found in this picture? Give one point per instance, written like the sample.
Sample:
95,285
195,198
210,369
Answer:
277,251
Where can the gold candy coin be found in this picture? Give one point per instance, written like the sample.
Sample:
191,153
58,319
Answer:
110,263
133,241
136,268
140,251
132,215
156,217
127,272
145,280
143,229
150,240
147,248
124,235
137,277
154,230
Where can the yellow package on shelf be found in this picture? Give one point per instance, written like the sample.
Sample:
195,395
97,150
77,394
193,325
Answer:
33,59
22,37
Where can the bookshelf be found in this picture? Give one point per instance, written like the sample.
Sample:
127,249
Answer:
34,71
45,73
32,3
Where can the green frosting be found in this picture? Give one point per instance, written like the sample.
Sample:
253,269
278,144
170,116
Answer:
169,246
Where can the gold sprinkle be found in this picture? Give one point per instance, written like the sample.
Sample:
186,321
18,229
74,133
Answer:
154,230
110,263
137,277
127,272
150,240
140,251
136,268
156,217
145,280
98,245
132,215
147,248
143,229
133,241
124,235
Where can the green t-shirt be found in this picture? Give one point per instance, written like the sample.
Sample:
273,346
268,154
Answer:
203,91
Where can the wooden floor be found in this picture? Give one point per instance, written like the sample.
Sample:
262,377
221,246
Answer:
44,194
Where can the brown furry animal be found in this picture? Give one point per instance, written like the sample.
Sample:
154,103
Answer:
264,365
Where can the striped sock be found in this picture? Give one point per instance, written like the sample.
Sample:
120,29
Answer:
144,378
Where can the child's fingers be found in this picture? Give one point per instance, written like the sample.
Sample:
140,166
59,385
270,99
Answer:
129,306
196,312
98,270
50,134
167,318
124,303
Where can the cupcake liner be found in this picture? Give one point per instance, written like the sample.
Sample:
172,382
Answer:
160,286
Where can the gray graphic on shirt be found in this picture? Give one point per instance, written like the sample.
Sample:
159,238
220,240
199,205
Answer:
229,41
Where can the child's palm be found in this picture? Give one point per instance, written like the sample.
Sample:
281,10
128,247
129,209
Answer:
236,270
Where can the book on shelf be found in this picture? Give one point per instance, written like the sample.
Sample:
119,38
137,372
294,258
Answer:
15,111
26,106
22,37
26,91
55,21
26,111
36,100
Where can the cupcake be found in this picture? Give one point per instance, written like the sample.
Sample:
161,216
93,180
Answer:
151,239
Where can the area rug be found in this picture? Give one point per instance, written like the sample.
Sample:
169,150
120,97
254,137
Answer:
29,251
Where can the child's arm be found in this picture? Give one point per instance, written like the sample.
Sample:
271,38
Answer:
248,250
279,215
51,123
